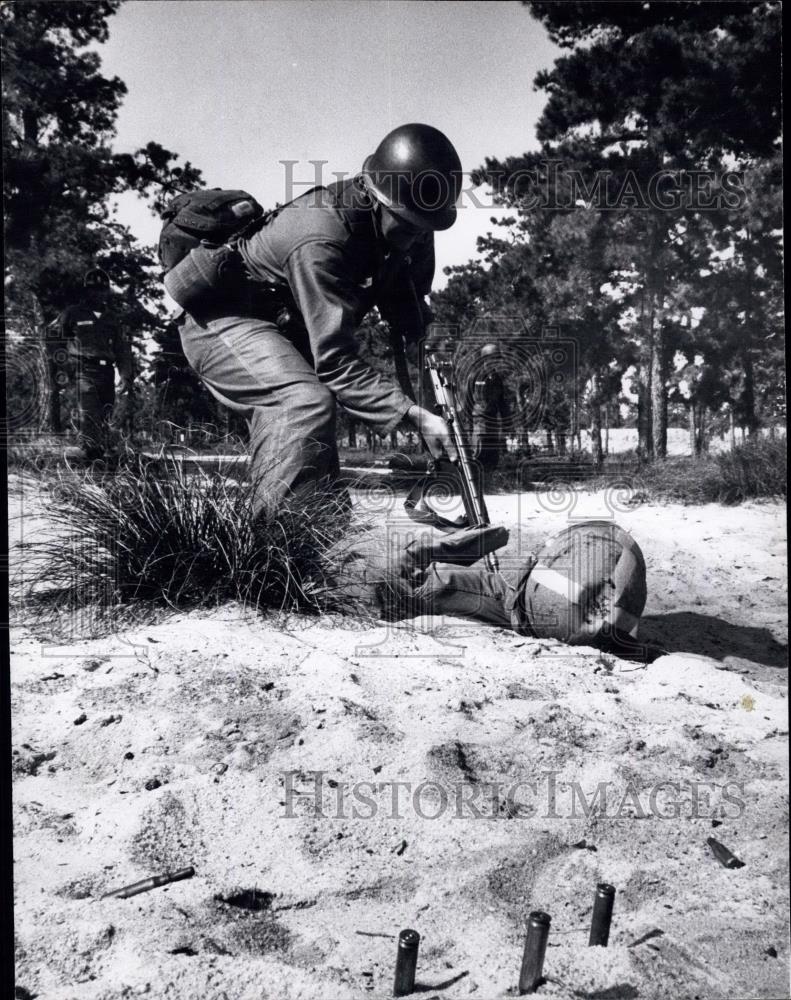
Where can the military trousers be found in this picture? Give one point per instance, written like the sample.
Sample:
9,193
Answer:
488,438
95,382
250,366
585,586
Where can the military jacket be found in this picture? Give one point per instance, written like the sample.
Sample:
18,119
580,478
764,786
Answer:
325,247
84,335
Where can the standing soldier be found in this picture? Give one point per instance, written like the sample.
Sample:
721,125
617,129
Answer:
490,408
271,318
89,344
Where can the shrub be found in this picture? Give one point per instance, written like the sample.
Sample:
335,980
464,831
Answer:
153,535
754,470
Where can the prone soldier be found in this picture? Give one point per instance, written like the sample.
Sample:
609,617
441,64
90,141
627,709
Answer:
586,585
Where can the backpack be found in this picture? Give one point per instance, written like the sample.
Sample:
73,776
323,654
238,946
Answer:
204,217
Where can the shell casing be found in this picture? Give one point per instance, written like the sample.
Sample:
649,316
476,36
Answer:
532,970
146,884
602,914
725,857
406,962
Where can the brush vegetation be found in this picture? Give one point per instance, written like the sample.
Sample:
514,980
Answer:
153,535
755,470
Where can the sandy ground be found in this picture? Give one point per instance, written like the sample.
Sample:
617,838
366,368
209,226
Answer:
268,755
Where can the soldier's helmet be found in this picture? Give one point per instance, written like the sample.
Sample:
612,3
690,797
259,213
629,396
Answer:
416,174
586,581
96,278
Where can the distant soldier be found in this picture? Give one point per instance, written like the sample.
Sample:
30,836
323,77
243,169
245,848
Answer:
490,408
87,345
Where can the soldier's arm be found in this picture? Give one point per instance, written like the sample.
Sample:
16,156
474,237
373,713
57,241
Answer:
330,305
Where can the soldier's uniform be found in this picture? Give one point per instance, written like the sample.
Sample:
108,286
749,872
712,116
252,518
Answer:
281,347
585,586
271,316
490,410
89,344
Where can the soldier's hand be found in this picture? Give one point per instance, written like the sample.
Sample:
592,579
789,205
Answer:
434,431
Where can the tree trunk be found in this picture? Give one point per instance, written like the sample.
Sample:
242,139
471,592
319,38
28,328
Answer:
595,422
654,336
352,433
645,445
394,440
658,342
550,446
49,419
732,426
607,429
693,431
659,394
702,438
748,396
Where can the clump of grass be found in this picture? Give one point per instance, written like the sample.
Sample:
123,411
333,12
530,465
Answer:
754,470
34,453
153,536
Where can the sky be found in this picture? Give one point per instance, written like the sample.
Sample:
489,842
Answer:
239,86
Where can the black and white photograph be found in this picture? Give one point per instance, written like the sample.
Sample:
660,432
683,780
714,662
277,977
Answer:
395,445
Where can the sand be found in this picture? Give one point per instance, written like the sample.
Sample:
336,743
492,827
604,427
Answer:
267,754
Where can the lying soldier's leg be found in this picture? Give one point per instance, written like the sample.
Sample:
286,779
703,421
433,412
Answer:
463,592
399,581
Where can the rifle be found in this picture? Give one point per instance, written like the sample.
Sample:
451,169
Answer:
440,372
440,384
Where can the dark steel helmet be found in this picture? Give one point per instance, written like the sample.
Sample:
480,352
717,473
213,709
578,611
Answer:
416,174
96,278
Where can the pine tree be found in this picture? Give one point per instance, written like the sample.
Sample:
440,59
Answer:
650,91
59,116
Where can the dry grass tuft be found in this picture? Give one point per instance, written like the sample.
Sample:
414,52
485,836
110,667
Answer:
153,537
